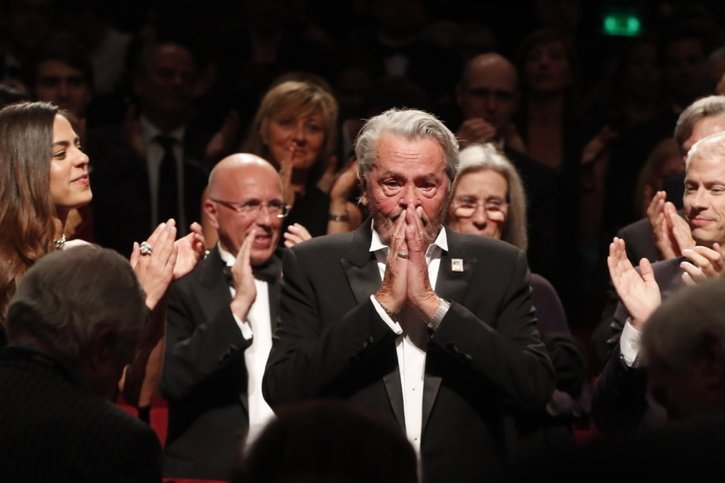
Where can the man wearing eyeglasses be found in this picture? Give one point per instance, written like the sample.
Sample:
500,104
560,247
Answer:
487,96
220,324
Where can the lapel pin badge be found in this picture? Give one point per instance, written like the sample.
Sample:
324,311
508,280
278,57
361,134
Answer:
456,265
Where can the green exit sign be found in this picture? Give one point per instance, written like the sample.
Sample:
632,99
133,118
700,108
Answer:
622,24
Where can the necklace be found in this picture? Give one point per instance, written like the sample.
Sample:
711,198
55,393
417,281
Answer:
60,242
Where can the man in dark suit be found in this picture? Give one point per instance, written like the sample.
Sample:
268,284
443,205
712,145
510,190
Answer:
487,96
72,326
149,168
218,335
664,233
619,402
432,328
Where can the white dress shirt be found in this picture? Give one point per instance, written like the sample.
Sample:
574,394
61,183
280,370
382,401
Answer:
411,339
629,344
257,327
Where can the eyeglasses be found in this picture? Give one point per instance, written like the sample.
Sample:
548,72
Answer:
495,208
275,208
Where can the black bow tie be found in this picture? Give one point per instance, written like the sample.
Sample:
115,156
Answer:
267,272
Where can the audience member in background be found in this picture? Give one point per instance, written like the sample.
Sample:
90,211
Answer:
44,175
554,129
150,168
295,128
73,325
25,24
488,199
684,56
220,322
634,118
107,45
329,441
487,96
619,403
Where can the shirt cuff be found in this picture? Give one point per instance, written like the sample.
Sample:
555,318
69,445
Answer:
629,344
244,327
386,318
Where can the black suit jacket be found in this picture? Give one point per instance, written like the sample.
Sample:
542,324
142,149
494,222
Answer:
619,401
54,428
204,376
485,358
639,243
121,197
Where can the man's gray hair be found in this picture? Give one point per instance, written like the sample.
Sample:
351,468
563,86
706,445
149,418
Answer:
703,108
712,146
410,124
68,295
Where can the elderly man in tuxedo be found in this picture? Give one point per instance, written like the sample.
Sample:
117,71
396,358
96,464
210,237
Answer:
433,328
220,322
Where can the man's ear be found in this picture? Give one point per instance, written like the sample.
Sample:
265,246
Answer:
363,190
210,210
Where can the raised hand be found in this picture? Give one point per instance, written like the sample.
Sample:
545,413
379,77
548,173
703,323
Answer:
639,292
420,297
295,234
285,173
155,270
703,263
243,279
476,130
189,250
392,293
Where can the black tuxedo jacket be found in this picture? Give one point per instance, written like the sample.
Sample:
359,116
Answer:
204,376
54,428
121,195
485,358
619,402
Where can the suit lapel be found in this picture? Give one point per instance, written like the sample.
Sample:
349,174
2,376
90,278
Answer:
363,275
361,267
214,290
454,276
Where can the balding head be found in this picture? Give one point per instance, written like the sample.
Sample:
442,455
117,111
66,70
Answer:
488,90
235,163
245,193
484,65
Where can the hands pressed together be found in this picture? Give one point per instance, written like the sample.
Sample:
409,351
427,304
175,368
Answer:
406,286
670,231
